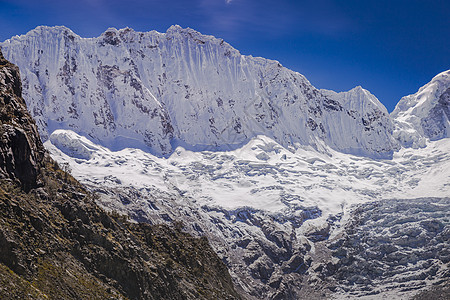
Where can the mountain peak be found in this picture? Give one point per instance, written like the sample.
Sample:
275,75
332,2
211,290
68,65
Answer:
358,99
193,35
174,27
419,101
358,88
442,77
110,29
425,114
60,29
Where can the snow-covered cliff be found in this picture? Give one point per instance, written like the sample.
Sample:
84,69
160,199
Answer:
425,114
156,91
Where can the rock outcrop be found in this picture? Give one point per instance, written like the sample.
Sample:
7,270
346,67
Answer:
21,149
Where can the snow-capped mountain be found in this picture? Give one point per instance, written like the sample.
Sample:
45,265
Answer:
156,91
280,176
425,114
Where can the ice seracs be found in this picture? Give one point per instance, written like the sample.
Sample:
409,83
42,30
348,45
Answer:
73,144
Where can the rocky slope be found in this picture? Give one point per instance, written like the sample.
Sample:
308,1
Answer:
21,149
56,243
156,91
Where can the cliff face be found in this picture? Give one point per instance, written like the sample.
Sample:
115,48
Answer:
155,91
56,243
21,149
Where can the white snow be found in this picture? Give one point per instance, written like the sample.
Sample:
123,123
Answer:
416,116
263,174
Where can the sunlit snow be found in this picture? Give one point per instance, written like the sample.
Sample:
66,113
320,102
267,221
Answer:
262,174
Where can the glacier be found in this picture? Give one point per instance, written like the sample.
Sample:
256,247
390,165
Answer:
274,216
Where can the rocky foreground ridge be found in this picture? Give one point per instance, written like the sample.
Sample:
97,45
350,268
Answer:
56,243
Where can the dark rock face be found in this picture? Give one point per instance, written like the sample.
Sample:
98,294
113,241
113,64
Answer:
435,125
56,243
20,146
17,156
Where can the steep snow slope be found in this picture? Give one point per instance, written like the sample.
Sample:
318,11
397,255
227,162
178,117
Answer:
156,91
425,114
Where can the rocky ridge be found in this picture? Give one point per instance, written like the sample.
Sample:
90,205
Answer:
21,148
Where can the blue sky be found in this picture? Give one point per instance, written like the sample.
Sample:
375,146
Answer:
389,47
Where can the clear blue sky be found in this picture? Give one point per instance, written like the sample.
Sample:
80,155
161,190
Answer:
390,47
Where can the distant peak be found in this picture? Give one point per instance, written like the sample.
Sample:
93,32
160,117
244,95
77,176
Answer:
43,30
425,98
110,36
57,27
110,30
126,29
189,33
175,27
442,76
187,30
52,29
358,89
440,80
